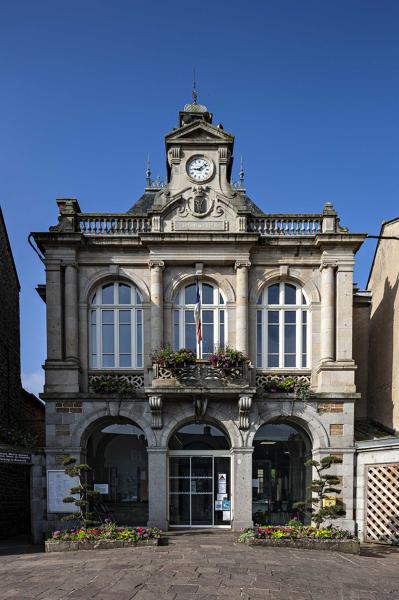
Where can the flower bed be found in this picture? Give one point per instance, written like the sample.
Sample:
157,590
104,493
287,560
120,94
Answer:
106,537
303,537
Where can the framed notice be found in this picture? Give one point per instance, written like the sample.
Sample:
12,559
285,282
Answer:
58,487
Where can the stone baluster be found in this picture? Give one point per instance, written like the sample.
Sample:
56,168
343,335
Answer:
156,268
71,312
327,312
242,268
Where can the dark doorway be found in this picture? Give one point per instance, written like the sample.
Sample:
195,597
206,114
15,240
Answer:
14,500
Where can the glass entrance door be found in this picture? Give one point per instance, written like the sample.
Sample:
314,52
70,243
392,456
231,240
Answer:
199,490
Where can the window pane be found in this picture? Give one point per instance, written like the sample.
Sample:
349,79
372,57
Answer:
125,360
272,360
221,328
108,339
108,294
125,339
289,360
272,316
93,300
93,338
190,294
260,298
108,360
125,316
289,294
190,331
176,329
207,339
139,338
290,339
207,294
303,299
190,337
139,298
221,299
273,294
259,338
207,316
124,294
290,317
108,317
304,340
273,339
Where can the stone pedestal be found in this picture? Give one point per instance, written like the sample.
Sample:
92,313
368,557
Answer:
242,488
158,488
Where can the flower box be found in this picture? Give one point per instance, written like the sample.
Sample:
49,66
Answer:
67,546
345,546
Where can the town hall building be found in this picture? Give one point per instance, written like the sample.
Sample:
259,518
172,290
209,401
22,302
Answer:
199,444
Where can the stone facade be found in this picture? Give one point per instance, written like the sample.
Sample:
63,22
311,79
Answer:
177,233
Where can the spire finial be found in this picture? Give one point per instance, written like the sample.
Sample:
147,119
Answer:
241,173
195,94
148,172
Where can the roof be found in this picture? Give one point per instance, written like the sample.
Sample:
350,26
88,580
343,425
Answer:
367,429
3,226
143,204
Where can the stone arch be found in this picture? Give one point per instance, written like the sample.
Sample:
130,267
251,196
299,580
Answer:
105,275
212,277
214,417
309,288
91,421
304,416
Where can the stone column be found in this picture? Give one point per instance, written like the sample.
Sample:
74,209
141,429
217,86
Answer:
344,312
327,312
53,310
71,312
156,268
242,268
158,487
242,487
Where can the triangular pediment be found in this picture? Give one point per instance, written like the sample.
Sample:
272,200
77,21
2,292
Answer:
199,131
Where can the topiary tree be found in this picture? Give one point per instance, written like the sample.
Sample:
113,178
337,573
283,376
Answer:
321,488
82,491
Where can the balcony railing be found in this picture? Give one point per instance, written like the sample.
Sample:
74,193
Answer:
264,379
286,225
135,379
201,375
108,224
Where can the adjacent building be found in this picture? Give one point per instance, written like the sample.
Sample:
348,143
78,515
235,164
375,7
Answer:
21,413
201,445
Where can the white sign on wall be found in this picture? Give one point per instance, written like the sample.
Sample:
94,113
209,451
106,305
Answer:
58,487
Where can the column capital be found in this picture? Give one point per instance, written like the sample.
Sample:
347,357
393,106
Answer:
69,263
328,264
153,264
242,264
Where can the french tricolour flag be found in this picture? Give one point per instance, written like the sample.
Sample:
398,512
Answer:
197,314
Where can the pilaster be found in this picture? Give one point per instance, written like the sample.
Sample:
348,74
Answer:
242,269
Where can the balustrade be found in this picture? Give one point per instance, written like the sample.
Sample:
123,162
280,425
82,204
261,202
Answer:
103,224
290,225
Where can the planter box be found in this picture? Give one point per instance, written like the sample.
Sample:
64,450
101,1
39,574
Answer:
66,546
346,546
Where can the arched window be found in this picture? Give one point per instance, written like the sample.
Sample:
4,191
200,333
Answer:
282,328
116,327
213,319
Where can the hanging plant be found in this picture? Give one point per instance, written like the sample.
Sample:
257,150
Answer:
168,358
291,385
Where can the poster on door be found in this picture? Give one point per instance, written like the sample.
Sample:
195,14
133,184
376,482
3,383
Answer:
222,480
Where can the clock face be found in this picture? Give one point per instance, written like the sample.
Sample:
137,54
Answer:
199,168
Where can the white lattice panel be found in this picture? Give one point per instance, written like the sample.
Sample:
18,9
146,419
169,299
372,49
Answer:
383,503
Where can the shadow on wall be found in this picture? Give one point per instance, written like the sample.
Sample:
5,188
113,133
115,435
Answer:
381,365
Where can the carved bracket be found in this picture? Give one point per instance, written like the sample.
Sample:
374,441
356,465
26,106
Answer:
244,406
200,406
155,403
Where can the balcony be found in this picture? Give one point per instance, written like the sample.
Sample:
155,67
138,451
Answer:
200,377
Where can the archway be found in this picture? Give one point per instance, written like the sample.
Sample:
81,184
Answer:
117,453
279,476
199,476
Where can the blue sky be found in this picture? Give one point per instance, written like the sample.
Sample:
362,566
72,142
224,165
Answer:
309,88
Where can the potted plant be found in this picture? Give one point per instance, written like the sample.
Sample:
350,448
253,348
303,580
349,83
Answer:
168,358
227,358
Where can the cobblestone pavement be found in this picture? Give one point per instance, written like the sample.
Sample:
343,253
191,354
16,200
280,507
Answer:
201,566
